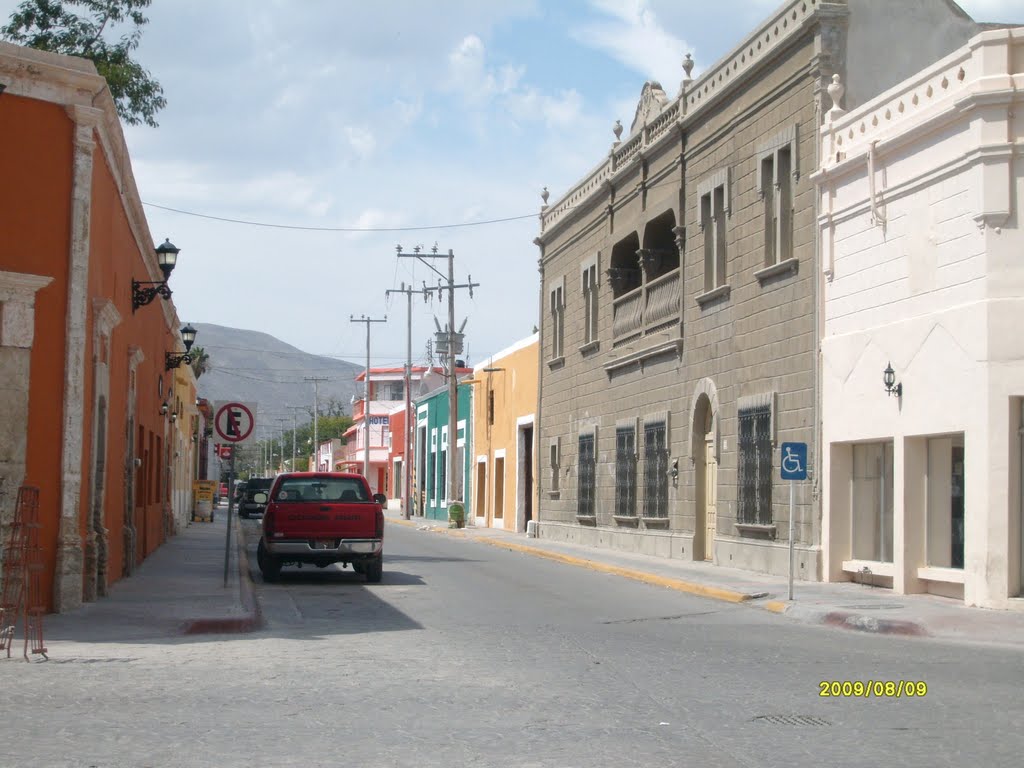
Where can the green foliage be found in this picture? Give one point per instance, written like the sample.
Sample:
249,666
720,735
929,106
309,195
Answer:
77,28
200,361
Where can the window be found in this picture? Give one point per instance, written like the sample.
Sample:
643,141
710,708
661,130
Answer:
490,406
557,307
714,209
590,299
755,465
554,463
625,471
585,506
321,489
871,502
776,170
946,509
655,469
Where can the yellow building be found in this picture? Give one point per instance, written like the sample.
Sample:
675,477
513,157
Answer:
504,444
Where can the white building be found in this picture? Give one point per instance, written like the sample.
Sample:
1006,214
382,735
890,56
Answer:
922,249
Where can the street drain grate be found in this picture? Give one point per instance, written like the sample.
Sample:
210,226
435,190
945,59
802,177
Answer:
791,720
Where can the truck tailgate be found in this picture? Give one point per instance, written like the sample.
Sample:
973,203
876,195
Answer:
348,520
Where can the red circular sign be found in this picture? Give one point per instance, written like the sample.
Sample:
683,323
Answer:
234,422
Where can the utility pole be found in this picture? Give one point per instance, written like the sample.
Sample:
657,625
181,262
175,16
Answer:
282,422
409,420
293,409
366,393
316,410
453,344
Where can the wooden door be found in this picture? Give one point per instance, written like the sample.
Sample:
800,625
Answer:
710,498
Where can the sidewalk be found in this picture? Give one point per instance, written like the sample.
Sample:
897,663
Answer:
845,605
178,590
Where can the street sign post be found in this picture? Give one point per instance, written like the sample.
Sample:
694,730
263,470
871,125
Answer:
235,424
794,467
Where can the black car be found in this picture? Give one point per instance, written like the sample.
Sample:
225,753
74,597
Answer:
247,507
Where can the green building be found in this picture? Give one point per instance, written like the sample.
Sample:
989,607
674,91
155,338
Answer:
431,449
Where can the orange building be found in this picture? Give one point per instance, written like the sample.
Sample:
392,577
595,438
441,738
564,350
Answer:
90,411
504,476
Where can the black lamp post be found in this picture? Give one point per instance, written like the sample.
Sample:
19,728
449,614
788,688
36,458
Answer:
166,258
188,337
889,378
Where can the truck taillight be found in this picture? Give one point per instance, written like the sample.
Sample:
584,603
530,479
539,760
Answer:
380,523
268,521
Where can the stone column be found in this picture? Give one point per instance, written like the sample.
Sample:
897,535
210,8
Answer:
17,330
67,589
105,317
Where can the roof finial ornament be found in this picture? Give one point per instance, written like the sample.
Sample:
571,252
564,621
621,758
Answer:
835,92
617,130
688,68
544,194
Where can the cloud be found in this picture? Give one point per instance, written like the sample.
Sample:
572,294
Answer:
632,35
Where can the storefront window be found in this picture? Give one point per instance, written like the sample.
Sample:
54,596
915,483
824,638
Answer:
946,501
872,502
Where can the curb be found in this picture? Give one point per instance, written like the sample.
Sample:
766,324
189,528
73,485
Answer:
837,619
254,618
689,587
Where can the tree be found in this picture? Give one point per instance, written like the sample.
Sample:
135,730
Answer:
54,25
200,361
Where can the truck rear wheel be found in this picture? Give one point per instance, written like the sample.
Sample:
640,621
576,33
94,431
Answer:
269,565
374,570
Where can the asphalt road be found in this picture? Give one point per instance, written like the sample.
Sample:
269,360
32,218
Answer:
469,655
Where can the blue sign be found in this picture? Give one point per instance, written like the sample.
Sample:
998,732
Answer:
794,461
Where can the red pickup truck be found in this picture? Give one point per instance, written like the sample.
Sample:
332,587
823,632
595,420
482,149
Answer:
322,518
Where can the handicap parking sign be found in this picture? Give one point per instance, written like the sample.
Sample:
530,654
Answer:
794,461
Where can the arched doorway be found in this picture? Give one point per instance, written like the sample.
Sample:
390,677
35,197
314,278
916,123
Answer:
704,450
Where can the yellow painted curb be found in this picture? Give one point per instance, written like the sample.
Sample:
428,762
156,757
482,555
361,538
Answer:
776,606
702,590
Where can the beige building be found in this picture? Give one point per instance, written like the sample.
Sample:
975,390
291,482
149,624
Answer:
680,295
503,483
923,372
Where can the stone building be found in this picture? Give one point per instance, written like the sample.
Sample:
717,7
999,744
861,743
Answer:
681,294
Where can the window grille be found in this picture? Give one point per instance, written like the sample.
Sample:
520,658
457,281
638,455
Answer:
587,477
755,470
625,472
655,470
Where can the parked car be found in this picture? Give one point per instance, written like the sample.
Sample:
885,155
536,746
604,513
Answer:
247,505
239,491
322,518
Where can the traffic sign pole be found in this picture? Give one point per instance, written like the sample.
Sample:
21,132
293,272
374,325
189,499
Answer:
792,483
794,467
231,517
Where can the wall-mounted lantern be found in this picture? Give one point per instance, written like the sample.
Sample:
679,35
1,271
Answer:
166,258
188,337
889,378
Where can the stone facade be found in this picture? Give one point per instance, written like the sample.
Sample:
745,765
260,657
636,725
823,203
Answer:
680,303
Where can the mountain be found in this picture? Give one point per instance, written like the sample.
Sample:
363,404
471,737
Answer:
250,366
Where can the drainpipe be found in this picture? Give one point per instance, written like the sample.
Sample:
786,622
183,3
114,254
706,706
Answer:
539,432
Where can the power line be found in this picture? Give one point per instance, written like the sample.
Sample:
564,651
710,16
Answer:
340,229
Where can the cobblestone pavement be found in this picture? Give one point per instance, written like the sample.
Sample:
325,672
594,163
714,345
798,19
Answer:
473,655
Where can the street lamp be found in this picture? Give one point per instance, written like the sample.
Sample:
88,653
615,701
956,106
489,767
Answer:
166,258
889,379
188,337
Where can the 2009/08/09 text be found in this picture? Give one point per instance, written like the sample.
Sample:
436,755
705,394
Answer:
893,689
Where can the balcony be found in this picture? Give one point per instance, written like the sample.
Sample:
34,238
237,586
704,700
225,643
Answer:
647,309
643,320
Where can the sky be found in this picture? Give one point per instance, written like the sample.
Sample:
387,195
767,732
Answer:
405,115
